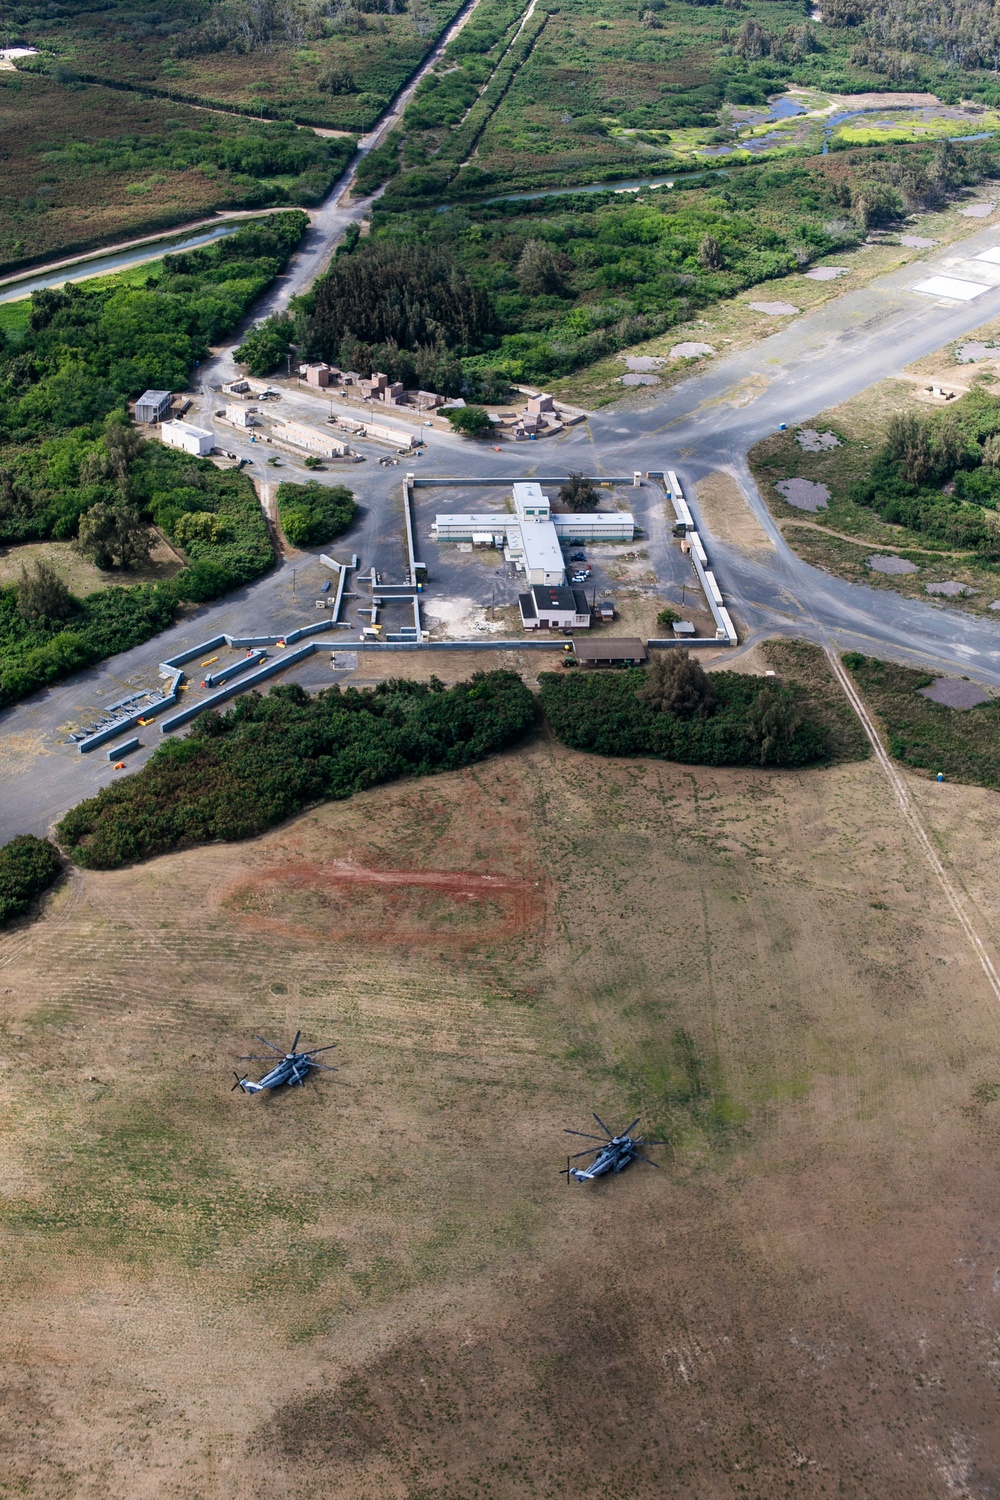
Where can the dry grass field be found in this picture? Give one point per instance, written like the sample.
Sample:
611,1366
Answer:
379,1286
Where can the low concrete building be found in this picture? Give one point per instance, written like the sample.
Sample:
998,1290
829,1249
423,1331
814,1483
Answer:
562,608
195,440
605,651
152,406
241,416
299,435
320,375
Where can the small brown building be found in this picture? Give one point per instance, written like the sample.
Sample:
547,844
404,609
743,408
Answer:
608,651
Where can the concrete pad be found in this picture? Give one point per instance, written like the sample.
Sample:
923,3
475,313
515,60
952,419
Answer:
977,210
811,441
643,361
916,241
803,494
972,352
826,273
892,564
951,589
690,350
949,286
774,309
992,255
639,379
955,692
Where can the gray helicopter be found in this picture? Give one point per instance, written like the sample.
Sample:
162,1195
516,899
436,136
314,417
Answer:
294,1067
612,1155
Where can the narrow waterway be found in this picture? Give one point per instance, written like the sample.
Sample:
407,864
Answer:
104,265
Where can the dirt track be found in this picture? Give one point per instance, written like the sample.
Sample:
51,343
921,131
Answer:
379,1286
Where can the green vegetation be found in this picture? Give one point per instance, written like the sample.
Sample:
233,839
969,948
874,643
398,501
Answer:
928,736
314,513
579,493
70,465
959,448
37,651
28,867
92,346
806,668
407,308
474,421
83,164
544,287
333,66
235,776
733,720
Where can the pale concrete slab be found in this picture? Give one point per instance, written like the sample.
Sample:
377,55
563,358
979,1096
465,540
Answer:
950,286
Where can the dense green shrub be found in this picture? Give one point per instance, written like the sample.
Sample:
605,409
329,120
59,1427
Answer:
89,347
753,721
35,653
28,866
267,346
314,513
937,475
474,421
236,775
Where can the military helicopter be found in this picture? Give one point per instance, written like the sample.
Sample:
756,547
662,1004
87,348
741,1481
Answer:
612,1155
294,1067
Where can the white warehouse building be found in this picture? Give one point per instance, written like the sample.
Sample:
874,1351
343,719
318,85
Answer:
196,440
533,534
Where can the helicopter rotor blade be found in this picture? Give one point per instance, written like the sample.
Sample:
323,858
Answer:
312,1052
251,1057
629,1128
264,1039
592,1152
643,1142
647,1159
607,1132
325,1066
296,1042
585,1134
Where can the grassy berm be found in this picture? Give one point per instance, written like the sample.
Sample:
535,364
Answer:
928,736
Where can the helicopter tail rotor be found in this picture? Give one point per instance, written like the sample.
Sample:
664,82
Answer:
239,1082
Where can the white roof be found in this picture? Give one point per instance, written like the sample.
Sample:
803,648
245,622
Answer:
541,547
498,521
528,493
189,427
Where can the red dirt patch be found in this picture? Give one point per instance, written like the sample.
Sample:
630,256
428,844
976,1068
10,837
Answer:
342,900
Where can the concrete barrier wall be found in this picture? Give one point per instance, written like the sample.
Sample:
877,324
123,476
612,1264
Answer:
214,679
536,479
182,656
245,685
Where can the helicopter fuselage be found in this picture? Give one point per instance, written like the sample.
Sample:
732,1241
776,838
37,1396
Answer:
613,1157
292,1069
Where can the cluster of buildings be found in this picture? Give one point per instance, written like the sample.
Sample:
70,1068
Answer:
542,415
532,539
375,387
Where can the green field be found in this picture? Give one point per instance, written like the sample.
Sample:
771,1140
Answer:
85,164
338,70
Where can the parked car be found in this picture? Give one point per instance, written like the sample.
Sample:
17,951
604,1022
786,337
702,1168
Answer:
578,557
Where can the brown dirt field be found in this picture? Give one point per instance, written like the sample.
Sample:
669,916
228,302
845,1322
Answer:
728,514
378,1286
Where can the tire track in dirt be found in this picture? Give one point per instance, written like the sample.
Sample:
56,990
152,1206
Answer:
953,895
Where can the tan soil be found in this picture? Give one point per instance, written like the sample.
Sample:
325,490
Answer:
728,514
378,1286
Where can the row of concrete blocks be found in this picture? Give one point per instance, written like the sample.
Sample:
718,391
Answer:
172,669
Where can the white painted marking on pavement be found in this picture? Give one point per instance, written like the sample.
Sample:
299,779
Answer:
950,286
